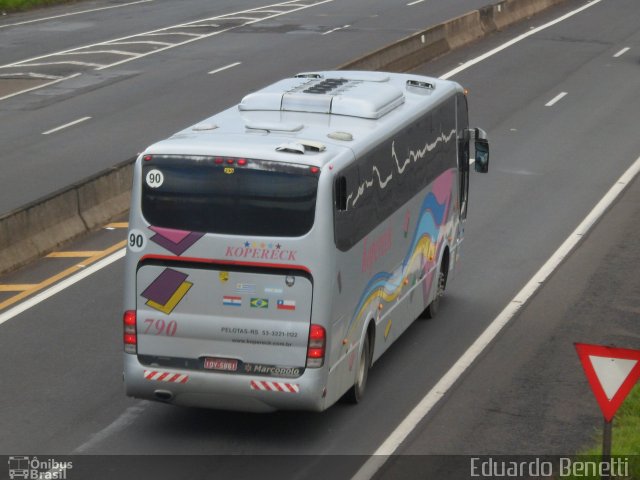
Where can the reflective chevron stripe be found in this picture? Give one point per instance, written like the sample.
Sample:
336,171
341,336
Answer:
165,376
275,386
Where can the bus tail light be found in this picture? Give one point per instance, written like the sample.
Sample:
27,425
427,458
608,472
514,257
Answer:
316,348
130,333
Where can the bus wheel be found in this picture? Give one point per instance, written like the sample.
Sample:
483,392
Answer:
357,391
432,309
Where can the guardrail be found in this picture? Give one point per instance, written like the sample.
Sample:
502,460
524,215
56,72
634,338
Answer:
39,227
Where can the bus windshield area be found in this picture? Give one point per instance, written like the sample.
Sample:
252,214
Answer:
236,196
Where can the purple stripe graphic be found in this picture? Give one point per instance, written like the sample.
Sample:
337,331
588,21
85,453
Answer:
180,247
161,289
176,236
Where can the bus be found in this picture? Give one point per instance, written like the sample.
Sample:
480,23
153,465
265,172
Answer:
278,248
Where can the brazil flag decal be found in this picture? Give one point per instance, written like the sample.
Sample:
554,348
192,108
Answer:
259,303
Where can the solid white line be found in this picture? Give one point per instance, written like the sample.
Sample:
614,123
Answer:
241,18
115,52
58,287
515,40
66,125
39,86
119,424
555,99
67,62
73,13
336,29
164,32
202,25
31,75
414,3
145,42
224,68
391,444
621,52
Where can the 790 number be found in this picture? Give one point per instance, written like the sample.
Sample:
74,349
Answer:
160,327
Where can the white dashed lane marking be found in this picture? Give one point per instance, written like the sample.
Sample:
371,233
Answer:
555,99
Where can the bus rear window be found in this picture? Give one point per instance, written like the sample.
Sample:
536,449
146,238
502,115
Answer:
229,195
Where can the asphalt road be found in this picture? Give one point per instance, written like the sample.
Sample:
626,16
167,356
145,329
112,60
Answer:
136,103
526,394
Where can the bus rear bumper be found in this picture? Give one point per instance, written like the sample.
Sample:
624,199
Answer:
224,391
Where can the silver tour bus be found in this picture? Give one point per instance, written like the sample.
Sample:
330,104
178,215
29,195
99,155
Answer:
276,249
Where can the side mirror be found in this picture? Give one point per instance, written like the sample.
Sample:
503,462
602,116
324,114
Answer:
482,155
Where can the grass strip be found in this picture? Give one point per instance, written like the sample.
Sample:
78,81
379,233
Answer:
625,442
8,6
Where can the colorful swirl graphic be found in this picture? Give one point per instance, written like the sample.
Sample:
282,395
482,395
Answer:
422,251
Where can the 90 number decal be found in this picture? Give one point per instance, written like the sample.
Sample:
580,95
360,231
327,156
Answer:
136,240
155,178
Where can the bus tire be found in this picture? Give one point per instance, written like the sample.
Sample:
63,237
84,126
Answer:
356,393
432,309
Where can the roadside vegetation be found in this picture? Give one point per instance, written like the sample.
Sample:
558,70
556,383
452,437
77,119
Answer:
7,6
625,438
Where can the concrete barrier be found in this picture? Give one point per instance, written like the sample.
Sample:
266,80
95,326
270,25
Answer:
40,227
106,195
36,229
509,12
464,29
404,54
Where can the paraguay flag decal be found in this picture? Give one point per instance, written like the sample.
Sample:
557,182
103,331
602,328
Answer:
230,301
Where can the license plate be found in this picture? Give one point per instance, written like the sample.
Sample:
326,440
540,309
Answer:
226,364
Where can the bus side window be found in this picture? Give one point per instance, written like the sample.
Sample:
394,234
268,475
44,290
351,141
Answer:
341,193
351,220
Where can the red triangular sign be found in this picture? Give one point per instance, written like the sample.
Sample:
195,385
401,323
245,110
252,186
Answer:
612,373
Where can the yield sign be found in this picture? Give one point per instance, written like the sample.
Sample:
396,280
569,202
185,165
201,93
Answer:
612,373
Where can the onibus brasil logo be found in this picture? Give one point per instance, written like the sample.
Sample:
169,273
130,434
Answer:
33,468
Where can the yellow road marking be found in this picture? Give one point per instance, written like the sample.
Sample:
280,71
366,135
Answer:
117,225
16,287
86,254
61,275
